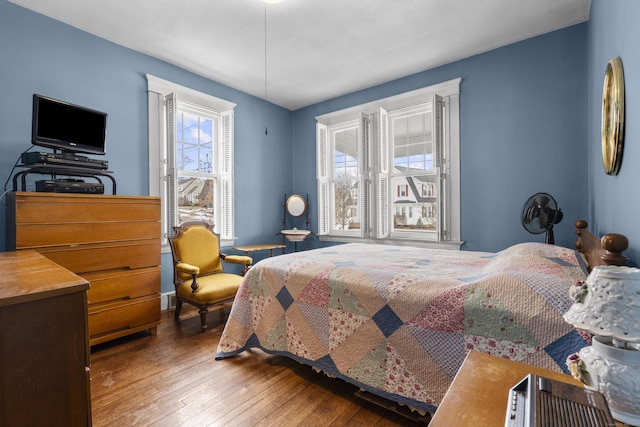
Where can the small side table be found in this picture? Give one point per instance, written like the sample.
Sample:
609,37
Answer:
479,393
258,247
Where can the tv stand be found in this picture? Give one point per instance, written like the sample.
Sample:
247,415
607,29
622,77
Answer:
55,171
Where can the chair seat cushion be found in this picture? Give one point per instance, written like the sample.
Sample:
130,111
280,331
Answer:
212,289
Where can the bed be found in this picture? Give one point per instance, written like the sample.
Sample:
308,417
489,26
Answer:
398,321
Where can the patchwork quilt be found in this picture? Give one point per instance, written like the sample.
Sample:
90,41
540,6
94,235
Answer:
398,321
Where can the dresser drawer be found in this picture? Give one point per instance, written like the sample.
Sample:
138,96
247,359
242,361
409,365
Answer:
30,236
88,258
122,284
111,318
33,208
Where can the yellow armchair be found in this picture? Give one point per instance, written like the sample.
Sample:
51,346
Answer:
199,276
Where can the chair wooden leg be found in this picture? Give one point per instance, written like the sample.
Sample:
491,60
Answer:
178,308
203,318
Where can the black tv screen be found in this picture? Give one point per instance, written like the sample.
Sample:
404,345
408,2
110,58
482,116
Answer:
67,127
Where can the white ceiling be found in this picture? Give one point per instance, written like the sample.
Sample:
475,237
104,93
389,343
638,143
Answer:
315,49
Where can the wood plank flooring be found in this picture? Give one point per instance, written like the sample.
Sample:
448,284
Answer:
172,379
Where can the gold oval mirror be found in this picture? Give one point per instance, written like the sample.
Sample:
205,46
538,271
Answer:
613,117
296,205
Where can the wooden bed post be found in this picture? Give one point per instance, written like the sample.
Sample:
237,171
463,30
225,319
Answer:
605,251
614,244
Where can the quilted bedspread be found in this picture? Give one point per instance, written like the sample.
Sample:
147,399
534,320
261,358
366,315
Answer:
398,321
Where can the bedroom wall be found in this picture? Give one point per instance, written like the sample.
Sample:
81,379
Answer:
41,55
523,130
523,110
613,200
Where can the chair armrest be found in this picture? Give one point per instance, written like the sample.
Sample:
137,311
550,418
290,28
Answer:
183,267
238,259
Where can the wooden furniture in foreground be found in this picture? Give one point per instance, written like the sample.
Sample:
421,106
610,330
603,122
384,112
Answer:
111,241
479,393
44,350
198,272
258,247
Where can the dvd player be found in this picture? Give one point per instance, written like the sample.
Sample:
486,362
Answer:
69,186
63,159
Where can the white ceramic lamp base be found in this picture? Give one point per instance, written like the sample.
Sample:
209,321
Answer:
615,372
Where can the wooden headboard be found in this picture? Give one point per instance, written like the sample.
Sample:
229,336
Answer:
605,251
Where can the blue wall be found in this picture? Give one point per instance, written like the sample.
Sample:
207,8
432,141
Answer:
41,55
529,122
614,201
523,130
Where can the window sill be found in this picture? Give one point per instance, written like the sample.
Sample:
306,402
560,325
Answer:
447,245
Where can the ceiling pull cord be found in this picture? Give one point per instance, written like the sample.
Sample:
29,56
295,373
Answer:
266,130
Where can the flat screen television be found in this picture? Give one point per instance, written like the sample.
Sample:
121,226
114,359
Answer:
67,127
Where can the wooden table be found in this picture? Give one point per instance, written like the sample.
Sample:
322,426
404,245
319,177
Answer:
259,247
44,343
479,392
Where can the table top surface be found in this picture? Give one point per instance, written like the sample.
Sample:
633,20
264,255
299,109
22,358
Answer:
259,247
479,393
29,276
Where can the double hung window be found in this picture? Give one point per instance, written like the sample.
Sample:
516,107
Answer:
389,170
191,156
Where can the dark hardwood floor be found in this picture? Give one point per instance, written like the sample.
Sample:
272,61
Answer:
172,379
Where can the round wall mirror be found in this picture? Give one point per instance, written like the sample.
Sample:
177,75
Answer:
613,117
296,205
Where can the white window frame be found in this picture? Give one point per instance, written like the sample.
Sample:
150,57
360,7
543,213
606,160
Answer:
437,140
361,124
162,176
375,180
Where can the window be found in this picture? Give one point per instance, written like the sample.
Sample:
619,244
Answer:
191,156
388,171
347,179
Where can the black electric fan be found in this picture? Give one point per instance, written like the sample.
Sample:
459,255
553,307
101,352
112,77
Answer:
539,214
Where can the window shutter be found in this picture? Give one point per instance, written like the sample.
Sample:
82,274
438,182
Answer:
226,175
383,174
438,138
438,128
322,174
383,202
365,209
363,145
365,174
383,140
170,177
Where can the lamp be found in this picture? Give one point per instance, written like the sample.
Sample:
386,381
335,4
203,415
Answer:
607,305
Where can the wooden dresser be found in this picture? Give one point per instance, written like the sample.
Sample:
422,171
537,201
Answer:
44,349
111,241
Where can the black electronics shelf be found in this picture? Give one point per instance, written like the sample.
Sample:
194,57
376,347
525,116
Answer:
59,170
